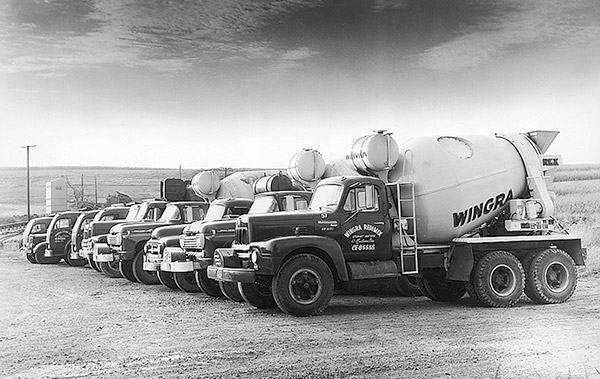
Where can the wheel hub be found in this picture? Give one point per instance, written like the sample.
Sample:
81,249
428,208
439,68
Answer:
503,280
305,286
557,277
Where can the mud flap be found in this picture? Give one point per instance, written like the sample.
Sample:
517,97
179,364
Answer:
460,262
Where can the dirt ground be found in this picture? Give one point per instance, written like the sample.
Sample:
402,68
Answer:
72,322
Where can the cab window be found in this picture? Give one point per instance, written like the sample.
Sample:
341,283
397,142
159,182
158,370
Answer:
362,198
63,223
39,228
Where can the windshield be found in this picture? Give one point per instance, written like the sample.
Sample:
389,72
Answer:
326,197
215,212
171,213
264,205
133,211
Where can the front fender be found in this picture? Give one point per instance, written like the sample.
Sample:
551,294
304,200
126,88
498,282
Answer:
328,249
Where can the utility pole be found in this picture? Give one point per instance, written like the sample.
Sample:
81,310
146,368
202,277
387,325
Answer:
28,196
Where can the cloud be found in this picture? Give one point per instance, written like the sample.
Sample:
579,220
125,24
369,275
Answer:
519,24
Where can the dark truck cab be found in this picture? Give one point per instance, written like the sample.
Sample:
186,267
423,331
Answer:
82,246
35,232
127,241
162,256
58,238
72,250
102,254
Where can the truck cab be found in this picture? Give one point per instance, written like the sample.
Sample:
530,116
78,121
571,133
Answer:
158,257
72,251
127,240
82,245
58,238
200,241
35,232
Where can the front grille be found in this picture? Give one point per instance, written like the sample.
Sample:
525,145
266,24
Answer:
189,242
241,235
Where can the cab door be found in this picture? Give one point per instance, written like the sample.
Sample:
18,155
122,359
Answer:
365,226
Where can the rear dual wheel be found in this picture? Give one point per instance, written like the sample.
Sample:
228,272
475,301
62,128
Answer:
434,285
551,276
407,286
258,295
497,280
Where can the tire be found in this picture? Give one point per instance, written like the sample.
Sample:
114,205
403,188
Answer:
69,260
407,286
303,286
209,286
143,276
166,278
472,295
230,290
93,264
186,281
498,279
551,277
31,258
126,269
110,269
258,295
38,253
438,288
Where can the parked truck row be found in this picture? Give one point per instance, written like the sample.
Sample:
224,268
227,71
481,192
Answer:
439,216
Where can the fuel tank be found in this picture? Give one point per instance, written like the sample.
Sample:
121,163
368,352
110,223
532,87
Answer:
460,183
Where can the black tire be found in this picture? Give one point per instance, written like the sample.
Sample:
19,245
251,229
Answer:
110,269
73,262
93,264
126,269
407,286
166,278
258,295
31,258
423,289
38,253
209,286
436,287
186,281
143,276
498,279
551,277
230,290
303,286
472,295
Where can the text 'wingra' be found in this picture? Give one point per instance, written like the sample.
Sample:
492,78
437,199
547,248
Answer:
483,208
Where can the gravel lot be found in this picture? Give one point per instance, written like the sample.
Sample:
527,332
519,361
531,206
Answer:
72,322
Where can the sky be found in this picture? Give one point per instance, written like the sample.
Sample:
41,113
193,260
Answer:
239,83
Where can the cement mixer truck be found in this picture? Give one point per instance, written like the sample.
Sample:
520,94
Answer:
457,213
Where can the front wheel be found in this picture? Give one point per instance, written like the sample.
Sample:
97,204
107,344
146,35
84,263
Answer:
38,252
186,282
497,279
303,286
551,277
70,261
166,278
230,290
143,276
110,269
209,286
126,269
31,258
257,294
93,264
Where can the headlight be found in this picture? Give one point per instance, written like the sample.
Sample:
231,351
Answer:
254,255
125,233
200,240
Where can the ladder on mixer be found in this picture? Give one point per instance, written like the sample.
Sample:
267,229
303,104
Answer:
408,228
408,219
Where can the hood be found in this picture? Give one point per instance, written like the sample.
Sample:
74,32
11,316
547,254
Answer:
170,230
279,224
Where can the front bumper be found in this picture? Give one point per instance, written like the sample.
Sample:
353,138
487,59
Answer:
102,253
152,262
227,274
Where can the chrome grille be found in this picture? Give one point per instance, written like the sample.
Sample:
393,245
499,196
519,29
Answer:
189,242
241,235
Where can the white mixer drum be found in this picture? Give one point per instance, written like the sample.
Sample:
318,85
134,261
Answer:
205,184
375,152
307,165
